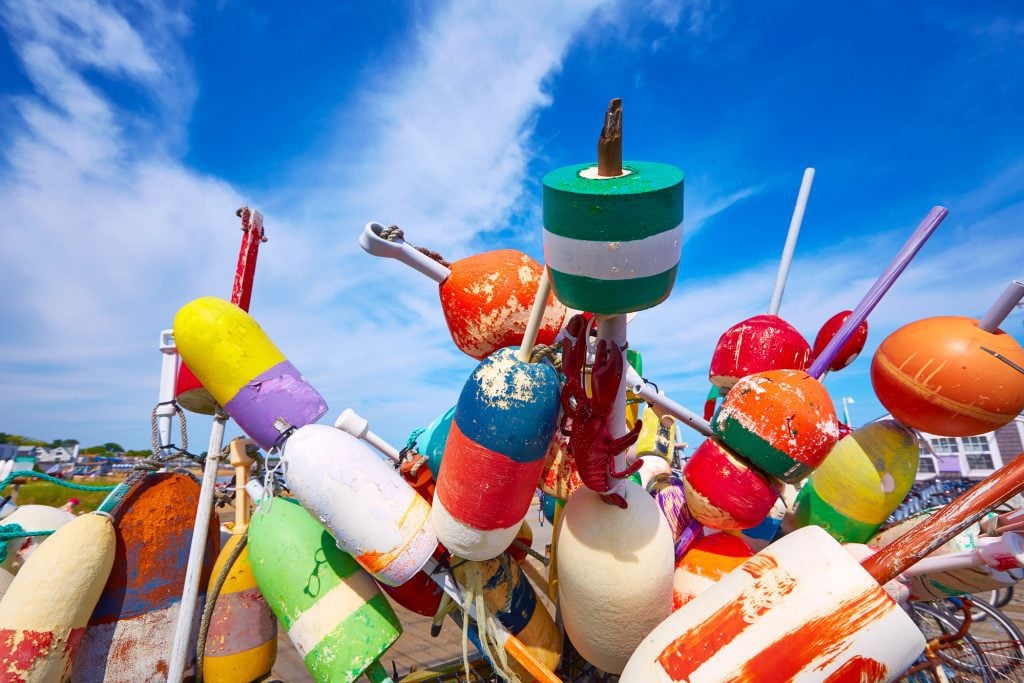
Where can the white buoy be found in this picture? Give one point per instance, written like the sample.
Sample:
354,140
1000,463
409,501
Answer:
32,518
372,512
615,572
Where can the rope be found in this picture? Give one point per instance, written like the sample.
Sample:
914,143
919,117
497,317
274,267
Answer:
552,354
486,628
28,474
211,599
9,532
411,443
393,233
158,448
531,552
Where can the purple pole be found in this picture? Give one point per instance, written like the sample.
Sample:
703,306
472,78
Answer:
1003,306
878,290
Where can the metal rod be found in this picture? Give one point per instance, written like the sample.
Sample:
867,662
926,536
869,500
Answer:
647,392
190,593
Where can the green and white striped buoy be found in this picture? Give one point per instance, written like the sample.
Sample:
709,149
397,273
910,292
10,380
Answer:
612,244
334,613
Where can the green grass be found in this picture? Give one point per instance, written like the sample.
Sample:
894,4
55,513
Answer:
45,493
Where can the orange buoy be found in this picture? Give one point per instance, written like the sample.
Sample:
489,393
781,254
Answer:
934,375
782,421
487,300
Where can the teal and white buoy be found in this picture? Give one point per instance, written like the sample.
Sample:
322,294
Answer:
612,238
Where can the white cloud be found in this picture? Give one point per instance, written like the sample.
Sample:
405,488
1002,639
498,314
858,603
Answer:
114,233
953,275
99,221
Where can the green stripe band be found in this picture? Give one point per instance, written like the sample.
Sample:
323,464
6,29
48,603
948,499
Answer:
355,643
647,201
811,508
758,451
612,296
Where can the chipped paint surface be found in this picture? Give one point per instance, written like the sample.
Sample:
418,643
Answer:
41,629
724,492
560,477
708,560
861,482
487,300
764,342
136,615
372,512
782,421
800,610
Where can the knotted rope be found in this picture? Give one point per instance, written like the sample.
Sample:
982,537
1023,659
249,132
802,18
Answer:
393,233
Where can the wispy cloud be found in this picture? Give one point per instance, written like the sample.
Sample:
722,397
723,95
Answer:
97,213
958,276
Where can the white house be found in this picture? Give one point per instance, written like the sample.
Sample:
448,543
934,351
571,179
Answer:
56,456
973,457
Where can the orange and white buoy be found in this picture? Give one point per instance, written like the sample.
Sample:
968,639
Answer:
45,610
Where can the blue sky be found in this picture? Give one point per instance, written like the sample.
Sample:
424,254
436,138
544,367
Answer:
129,134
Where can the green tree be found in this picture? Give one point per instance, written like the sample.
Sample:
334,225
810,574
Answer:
113,447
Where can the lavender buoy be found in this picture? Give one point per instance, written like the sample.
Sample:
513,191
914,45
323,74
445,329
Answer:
503,425
243,370
372,512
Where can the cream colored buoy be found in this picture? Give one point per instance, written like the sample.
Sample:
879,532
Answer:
5,582
46,608
32,518
615,570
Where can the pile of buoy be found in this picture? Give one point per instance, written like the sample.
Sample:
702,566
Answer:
763,557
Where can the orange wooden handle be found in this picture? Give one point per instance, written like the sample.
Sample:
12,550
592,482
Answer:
901,554
515,647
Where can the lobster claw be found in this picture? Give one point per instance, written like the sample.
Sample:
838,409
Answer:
606,378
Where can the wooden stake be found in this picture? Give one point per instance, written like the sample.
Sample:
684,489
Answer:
609,145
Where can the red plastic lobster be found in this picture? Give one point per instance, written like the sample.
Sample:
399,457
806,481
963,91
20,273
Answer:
585,419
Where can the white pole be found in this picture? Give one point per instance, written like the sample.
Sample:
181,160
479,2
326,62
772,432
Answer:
190,593
645,391
372,243
787,251
612,328
540,304
168,373
353,423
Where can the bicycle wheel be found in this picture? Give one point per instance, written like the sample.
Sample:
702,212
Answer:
961,660
1000,640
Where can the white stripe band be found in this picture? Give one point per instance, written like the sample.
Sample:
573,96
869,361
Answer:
318,621
614,260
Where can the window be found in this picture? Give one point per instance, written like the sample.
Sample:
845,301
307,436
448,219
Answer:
926,466
979,457
945,446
